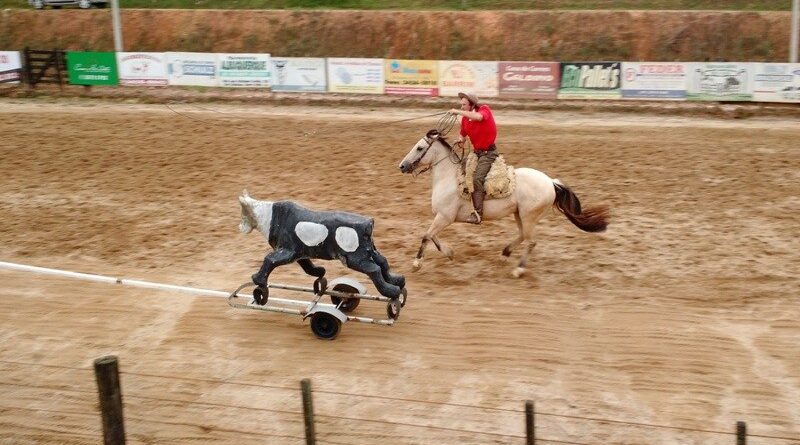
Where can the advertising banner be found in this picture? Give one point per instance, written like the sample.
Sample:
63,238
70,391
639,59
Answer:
142,69
776,82
720,82
92,68
198,69
654,80
363,76
479,78
244,70
412,77
590,80
10,67
298,74
534,80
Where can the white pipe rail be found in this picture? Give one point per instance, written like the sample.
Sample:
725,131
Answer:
112,280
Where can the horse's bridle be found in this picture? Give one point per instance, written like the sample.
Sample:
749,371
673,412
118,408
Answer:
450,154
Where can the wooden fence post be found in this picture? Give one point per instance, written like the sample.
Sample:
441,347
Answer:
107,373
308,412
530,426
741,433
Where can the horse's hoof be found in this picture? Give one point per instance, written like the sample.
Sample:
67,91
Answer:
416,266
517,272
449,254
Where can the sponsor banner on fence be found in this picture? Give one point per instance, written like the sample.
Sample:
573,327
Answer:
10,67
590,80
298,74
198,69
244,70
147,69
654,80
479,78
92,68
720,81
776,82
363,76
534,80
412,77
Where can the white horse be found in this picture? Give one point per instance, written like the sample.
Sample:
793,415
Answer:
534,193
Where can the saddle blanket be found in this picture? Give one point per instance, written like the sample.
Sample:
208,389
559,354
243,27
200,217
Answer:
500,181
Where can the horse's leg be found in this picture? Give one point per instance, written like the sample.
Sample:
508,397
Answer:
310,268
518,240
380,260
528,222
373,271
271,261
526,250
442,247
438,224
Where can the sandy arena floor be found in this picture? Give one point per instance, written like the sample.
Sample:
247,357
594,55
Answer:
685,313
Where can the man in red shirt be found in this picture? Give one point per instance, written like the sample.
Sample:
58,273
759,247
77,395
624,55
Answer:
478,124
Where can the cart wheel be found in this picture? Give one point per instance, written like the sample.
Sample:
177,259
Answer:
349,304
403,297
393,309
261,295
325,325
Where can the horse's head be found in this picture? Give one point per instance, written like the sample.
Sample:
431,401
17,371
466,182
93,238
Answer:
421,155
249,221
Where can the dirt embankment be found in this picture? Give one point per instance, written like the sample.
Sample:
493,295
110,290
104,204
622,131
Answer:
495,35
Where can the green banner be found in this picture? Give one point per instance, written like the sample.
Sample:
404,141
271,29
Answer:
91,68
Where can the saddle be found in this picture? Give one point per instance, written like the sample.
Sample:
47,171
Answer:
500,182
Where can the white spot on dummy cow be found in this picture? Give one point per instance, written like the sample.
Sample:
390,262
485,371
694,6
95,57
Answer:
347,239
311,234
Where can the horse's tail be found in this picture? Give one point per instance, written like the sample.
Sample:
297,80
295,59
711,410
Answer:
593,219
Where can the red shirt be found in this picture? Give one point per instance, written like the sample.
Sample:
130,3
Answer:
481,133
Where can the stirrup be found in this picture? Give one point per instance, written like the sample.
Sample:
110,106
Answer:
474,217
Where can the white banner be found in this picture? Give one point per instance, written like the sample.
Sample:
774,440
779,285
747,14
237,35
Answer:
244,70
654,80
298,74
363,76
776,82
192,69
720,81
10,67
148,69
475,77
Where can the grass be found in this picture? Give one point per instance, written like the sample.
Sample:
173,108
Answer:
451,5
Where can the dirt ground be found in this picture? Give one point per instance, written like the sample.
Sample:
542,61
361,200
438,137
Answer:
683,315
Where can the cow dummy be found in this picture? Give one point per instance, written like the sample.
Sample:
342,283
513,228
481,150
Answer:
296,233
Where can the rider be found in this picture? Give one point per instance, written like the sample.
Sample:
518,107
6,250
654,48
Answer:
478,124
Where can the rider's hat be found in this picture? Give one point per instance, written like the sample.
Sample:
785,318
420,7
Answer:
472,98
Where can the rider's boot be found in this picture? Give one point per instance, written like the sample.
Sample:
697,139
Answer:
477,204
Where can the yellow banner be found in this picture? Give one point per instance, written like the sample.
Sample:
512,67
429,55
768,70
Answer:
414,77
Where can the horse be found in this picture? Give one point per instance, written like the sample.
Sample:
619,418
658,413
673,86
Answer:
534,193
296,233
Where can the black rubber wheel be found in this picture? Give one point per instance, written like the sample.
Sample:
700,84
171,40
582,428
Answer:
393,309
349,304
261,295
325,325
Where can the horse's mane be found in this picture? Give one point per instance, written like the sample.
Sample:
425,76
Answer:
437,134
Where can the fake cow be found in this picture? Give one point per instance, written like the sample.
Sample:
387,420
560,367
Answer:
298,234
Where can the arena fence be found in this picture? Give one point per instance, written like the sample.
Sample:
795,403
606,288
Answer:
45,67
723,81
